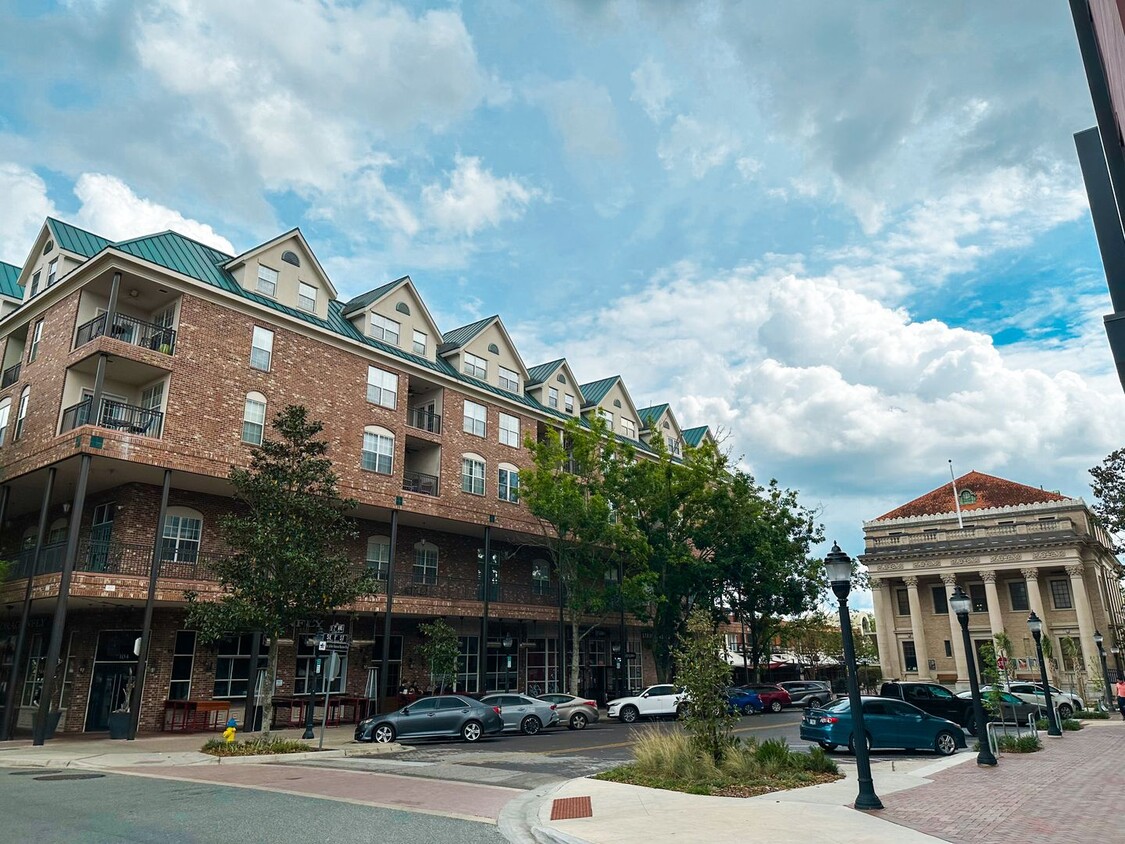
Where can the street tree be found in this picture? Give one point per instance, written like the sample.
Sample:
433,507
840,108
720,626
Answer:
440,649
705,676
289,566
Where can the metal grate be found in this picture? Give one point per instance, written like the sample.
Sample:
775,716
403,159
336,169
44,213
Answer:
568,808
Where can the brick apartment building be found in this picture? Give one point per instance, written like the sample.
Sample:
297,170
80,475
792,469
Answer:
161,360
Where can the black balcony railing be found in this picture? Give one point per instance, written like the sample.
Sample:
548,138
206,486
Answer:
131,330
420,482
115,415
460,588
11,375
111,557
424,420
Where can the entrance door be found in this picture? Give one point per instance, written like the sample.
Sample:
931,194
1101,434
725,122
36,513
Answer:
109,691
100,534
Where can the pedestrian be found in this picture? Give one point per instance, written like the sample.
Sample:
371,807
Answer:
1121,696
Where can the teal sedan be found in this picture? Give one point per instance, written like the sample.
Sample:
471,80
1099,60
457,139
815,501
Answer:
889,723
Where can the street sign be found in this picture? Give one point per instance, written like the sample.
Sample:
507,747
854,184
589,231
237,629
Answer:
332,667
337,639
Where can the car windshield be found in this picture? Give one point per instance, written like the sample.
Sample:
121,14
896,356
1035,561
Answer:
839,705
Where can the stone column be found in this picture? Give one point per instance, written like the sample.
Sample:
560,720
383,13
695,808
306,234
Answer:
1090,655
992,595
955,636
918,628
1035,601
885,627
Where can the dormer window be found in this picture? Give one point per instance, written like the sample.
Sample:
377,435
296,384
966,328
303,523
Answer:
419,342
667,427
968,497
474,366
291,258
403,308
509,380
493,348
267,280
617,402
50,245
52,272
384,329
306,296
560,378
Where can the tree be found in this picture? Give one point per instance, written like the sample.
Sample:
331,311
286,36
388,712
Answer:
289,566
1109,489
705,676
441,649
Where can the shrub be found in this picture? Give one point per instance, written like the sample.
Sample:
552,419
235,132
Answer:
674,756
1072,725
773,755
1091,715
261,746
1023,744
817,761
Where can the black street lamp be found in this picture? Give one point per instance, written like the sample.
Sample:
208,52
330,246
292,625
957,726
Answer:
311,673
1036,628
839,568
1105,668
962,604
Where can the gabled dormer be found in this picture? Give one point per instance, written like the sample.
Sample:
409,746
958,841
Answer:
610,400
553,385
395,314
484,350
11,294
695,437
59,249
285,270
659,421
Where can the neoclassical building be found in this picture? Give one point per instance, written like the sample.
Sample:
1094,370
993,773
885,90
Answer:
1014,549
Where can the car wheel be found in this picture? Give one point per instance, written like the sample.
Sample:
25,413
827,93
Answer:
384,734
578,721
851,743
776,706
971,726
827,745
945,743
747,709
472,731
1065,710
531,725
629,714
813,703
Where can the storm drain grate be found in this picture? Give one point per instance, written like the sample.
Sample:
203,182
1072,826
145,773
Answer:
568,808
35,772
58,777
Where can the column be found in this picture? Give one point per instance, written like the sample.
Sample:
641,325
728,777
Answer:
1035,601
1090,655
992,595
884,627
956,638
918,627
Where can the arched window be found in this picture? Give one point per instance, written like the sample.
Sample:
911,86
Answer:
254,418
5,412
378,556
508,483
291,258
28,539
378,450
403,308
617,402
183,529
48,247
968,497
21,413
425,563
492,347
472,474
560,378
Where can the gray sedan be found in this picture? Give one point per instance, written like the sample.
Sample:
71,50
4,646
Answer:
520,712
433,717
575,712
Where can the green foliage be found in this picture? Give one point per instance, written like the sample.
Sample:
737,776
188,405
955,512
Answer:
1018,744
706,676
1109,489
1071,724
1091,715
440,649
259,746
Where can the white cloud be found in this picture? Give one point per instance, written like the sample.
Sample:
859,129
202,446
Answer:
111,209
748,167
22,211
475,198
652,89
697,146
582,112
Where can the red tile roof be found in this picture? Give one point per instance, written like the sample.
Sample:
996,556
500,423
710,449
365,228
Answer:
990,491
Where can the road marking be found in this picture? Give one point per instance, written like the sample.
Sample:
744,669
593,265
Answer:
578,751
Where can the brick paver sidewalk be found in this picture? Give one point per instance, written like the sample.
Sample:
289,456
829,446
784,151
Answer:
1067,792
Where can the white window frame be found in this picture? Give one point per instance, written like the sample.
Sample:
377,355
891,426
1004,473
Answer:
385,329
552,397
629,427
509,379
36,338
472,474
509,430
250,423
473,366
420,345
181,536
426,564
303,289
34,283
261,343
379,556
5,414
380,444
508,483
267,286
607,415
476,419
52,272
21,413
568,403
382,387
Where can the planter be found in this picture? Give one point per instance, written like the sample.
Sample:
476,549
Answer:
119,725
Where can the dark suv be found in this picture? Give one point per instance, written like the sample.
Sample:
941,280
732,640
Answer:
812,693
933,699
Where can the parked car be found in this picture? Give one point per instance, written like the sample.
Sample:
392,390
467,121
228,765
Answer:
744,701
520,712
1012,709
889,723
575,712
934,699
1065,703
434,717
774,698
808,692
661,701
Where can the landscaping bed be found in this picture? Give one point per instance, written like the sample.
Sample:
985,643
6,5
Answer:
256,747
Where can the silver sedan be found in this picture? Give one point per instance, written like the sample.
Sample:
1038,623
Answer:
519,712
575,712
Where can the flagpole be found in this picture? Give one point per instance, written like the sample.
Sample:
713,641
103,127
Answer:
956,498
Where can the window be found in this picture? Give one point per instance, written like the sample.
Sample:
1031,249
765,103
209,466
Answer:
267,280
403,308
152,398
941,602
673,445
475,415
183,528
306,296
509,430
419,342
474,366
21,413
1060,590
379,556
948,648
5,411
254,418
52,272
472,474
552,397
540,578
232,665
425,563
903,602
382,387
607,416
1017,591
34,284
384,329
468,663
967,497
261,349
508,484
568,403
183,654
378,450
629,428
979,599
909,656
291,258
36,336
509,380
306,679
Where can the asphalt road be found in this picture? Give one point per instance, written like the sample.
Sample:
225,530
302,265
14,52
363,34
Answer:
115,809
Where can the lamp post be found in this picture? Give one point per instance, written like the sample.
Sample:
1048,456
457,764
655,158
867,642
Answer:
1036,627
1098,640
962,604
311,674
839,568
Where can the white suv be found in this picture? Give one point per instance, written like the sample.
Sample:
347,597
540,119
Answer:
1066,703
654,702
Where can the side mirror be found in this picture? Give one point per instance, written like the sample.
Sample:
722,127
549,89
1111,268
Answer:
405,710
645,694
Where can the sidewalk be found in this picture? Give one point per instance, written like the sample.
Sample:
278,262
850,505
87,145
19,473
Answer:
1063,793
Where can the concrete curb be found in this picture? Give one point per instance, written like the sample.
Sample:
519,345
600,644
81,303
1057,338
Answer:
519,819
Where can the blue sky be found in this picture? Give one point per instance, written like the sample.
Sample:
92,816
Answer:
852,236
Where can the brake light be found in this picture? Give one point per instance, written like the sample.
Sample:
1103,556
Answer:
496,709
554,706
829,719
591,703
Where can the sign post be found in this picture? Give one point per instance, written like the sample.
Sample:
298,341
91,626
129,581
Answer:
331,672
333,647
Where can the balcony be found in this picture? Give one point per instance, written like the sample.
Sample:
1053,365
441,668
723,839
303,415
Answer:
424,420
420,482
119,558
114,415
130,330
471,589
10,375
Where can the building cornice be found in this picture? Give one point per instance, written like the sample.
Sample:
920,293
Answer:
1036,507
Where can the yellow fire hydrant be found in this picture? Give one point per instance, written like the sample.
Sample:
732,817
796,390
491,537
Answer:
231,731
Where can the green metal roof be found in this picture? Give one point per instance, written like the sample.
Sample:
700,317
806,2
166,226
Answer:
694,436
650,415
364,299
540,373
76,240
458,337
595,391
9,275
